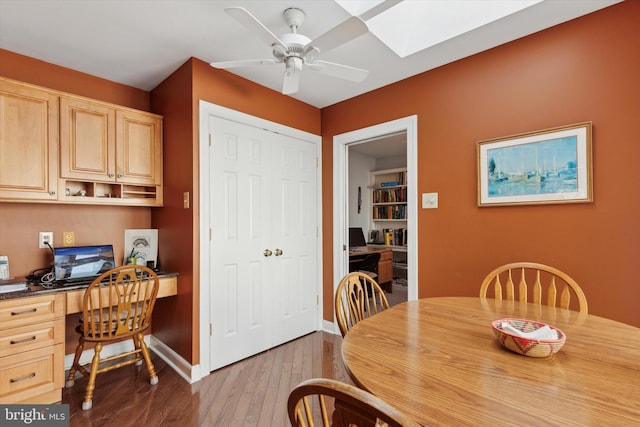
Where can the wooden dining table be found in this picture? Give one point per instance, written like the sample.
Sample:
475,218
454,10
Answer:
438,360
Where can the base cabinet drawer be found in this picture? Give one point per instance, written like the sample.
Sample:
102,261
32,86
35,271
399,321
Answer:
32,349
26,376
29,310
30,337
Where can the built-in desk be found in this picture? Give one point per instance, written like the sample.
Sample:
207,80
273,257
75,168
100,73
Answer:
32,340
385,265
168,287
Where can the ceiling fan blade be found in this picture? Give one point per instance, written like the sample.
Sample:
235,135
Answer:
243,63
338,70
378,9
338,35
244,17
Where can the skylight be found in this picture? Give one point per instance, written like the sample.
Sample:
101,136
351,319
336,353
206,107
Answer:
414,25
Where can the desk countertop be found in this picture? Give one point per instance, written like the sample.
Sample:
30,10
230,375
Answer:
38,289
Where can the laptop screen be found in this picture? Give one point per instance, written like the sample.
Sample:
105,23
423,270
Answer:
82,262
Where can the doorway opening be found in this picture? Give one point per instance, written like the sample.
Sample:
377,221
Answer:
407,127
380,211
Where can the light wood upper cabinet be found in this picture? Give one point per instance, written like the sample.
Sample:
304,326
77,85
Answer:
101,143
58,147
109,154
28,142
87,140
138,148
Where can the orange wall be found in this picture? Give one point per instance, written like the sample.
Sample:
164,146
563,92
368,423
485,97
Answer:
177,98
177,325
586,69
21,222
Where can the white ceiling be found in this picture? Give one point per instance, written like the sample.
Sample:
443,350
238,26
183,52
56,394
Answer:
386,146
141,42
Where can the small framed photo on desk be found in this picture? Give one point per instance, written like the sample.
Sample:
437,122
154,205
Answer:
141,245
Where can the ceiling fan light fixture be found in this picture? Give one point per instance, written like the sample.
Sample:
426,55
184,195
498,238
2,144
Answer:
293,64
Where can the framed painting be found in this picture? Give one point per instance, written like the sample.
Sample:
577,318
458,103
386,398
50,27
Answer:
541,167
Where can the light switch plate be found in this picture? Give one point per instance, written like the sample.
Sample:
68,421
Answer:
429,200
185,200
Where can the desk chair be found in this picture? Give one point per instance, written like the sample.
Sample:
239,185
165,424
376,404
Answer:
368,265
358,296
338,404
506,275
118,304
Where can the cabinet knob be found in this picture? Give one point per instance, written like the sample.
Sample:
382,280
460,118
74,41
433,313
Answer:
52,193
267,253
278,252
111,175
120,175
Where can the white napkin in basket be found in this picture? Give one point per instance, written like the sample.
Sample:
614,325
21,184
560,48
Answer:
543,333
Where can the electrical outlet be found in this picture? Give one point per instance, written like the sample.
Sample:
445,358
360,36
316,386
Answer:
46,239
68,238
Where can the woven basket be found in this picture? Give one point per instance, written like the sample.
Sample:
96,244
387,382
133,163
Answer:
526,346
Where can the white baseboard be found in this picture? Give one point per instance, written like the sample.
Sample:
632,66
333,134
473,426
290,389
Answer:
330,327
187,371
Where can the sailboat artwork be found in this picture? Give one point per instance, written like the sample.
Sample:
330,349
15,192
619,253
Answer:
537,167
541,167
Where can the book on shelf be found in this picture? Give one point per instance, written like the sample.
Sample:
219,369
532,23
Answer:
395,236
396,195
398,212
390,184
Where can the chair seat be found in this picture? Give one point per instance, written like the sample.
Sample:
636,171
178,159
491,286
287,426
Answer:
111,318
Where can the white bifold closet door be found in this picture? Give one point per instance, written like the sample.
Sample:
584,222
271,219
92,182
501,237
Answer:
263,253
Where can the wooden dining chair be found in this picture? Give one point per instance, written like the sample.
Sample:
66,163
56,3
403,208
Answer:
117,305
358,296
327,402
547,284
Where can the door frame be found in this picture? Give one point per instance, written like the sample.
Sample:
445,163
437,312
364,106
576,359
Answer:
341,192
207,109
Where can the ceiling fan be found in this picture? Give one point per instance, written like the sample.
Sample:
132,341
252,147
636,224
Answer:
296,51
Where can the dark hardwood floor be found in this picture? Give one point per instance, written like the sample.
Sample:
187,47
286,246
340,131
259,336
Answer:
252,392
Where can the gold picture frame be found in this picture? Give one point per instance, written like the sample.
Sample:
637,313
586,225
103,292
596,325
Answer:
542,167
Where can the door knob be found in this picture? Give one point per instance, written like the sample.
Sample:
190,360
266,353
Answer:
267,252
278,252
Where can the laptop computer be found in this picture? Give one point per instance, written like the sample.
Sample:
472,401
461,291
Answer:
77,264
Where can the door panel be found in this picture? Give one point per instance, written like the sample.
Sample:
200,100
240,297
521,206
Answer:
295,234
237,260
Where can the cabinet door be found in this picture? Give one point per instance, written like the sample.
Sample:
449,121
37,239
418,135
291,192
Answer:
87,140
28,142
139,148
